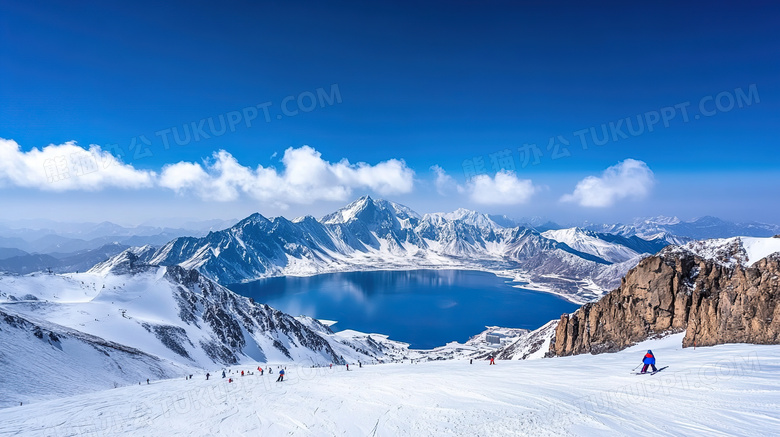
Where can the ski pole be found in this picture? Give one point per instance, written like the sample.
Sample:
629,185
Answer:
637,366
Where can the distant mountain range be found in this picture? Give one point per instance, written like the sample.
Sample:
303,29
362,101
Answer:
673,228
580,262
47,237
22,263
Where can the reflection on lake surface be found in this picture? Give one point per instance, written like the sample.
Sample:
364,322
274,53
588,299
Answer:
426,308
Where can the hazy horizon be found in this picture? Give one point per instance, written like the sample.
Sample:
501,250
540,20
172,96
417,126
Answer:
183,221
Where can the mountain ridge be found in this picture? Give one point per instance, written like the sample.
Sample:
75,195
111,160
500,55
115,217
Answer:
378,234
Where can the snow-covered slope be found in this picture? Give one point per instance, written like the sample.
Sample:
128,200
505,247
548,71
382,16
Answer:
371,234
727,390
42,360
589,242
138,320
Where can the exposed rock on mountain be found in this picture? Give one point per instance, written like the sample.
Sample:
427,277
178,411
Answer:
717,291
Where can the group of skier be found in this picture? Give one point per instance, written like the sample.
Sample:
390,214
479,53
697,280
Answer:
259,369
648,360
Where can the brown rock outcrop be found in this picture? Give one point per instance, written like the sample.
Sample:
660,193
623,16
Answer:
675,292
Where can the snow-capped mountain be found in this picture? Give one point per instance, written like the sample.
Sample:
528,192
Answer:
472,218
589,242
137,321
379,234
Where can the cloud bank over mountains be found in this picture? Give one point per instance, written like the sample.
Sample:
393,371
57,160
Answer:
303,177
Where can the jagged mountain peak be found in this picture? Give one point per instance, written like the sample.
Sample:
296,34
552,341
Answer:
368,209
304,219
462,212
128,261
473,218
252,219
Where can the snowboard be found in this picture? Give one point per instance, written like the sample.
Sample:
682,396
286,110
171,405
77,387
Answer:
651,373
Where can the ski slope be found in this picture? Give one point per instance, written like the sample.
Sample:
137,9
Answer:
727,390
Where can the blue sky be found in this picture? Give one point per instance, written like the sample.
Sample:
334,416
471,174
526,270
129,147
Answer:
400,87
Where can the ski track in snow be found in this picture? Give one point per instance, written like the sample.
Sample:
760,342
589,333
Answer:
726,390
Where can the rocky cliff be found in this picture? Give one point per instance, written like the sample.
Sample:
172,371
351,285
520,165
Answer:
713,301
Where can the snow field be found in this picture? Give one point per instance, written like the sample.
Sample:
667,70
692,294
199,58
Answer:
715,391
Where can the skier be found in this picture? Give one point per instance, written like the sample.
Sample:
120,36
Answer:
261,371
649,360
281,376
492,360
147,381
471,360
223,374
207,376
347,366
242,373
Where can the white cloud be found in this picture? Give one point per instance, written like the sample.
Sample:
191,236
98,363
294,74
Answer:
503,189
444,183
305,178
629,179
67,167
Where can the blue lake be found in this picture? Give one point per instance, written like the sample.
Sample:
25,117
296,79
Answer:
426,308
